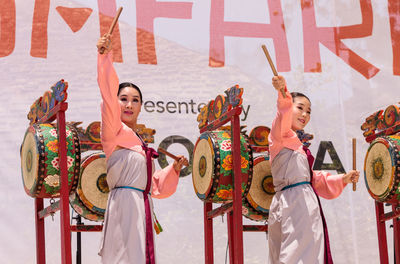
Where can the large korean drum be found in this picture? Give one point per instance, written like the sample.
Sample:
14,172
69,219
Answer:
90,198
40,162
382,169
213,167
258,200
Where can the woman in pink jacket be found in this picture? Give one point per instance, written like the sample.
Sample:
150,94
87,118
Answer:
128,223
296,226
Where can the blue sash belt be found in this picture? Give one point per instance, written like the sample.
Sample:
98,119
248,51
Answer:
295,184
129,187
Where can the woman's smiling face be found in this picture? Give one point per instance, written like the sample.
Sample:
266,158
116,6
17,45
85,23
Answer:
129,100
301,112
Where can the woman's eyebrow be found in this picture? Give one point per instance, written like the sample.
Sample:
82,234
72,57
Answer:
309,108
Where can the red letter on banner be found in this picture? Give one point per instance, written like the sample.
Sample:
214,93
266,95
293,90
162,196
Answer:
146,11
39,29
107,12
276,30
394,16
331,38
7,27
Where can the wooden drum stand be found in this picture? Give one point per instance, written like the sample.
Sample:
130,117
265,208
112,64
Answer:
217,113
383,128
52,106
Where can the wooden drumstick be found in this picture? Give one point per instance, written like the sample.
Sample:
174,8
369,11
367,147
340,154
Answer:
172,156
271,64
354,161
110,31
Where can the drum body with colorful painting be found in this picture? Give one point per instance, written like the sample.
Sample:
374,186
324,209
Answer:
258,200
90,198
212,166
382,169
40,161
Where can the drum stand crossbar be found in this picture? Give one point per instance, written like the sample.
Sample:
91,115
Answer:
381,218
234,208
58,113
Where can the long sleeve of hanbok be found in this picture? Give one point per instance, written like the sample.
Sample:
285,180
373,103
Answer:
281,133
113,131
165,182
110,109
327,185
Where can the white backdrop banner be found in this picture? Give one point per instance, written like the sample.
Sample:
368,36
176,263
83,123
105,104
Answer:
344,54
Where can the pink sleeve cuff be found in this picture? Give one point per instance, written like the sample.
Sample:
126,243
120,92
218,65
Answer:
284,104
165,182
328,186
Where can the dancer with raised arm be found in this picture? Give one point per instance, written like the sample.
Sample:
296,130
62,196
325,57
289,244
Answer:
128,223
297,230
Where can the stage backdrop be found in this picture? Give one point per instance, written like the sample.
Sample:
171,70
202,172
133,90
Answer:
344,54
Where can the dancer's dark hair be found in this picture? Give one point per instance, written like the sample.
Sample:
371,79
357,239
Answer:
128,84
296,94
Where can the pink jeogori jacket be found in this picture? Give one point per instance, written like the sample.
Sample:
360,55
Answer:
282,136
115,133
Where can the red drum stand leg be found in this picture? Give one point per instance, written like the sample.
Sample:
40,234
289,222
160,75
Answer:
231,237
57,112
40,238
64,193
382,240
208,234
212,118
396,235
237,223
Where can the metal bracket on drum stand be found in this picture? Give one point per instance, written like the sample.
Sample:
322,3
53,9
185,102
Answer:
78,240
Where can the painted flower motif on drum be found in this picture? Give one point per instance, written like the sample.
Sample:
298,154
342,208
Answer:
53,132
226,135
226,145
70,162
92,217
245,211
52,145
256,217
56,162
78,210
244,163
227,163
225,194
52,180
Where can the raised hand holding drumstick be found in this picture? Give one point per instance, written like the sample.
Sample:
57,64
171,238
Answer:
354,174
179,161
178,164
279,83
351,177
271,64
104,43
